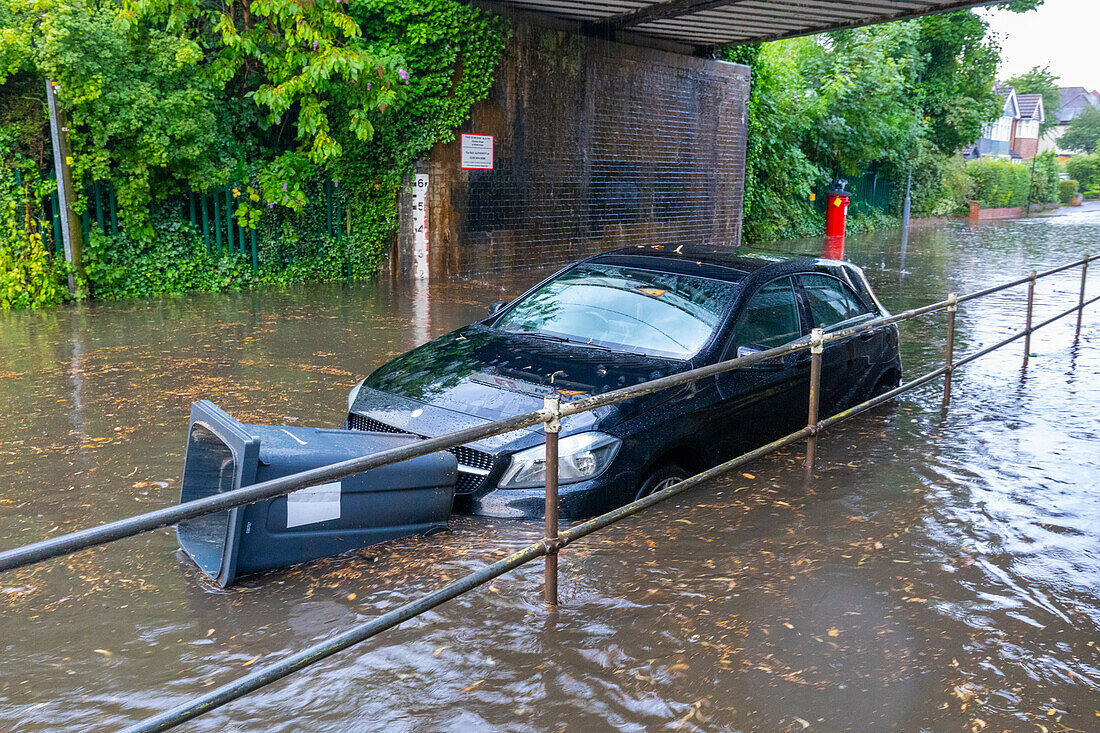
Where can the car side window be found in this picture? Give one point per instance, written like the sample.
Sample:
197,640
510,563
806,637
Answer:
830,301
770,318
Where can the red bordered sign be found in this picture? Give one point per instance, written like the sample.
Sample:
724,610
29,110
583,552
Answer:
477,152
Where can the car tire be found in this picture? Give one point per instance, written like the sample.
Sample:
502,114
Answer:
662,478
886,382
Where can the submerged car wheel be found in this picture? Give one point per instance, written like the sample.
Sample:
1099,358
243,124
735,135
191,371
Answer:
888,381
661,479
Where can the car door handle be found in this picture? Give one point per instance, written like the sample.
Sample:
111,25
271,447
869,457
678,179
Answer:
867,335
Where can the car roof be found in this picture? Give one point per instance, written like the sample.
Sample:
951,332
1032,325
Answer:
726,263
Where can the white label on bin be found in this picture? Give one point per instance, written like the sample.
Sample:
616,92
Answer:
313,505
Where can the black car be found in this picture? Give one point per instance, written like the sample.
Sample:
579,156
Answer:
618,319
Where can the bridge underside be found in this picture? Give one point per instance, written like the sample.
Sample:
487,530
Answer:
700,26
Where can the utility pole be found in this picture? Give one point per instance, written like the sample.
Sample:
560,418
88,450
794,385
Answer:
62,160
1031,183
906,209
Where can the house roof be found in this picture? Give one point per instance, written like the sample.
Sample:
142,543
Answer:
1031,107
1011,106
698,25
1074,101
1069,94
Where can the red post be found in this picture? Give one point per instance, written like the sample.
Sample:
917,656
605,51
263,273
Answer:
836,220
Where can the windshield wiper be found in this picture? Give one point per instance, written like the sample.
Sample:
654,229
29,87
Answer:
543,336
563,340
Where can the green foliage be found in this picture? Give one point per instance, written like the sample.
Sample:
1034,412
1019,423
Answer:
1040,80
1067,192
1044,176
857,97
1085,169
957,191
168,97
870,220
955,64
779,177
940,184
30,276
139,105
176,262
1020,6
451,50
890,98
23,131
1083,132
998,184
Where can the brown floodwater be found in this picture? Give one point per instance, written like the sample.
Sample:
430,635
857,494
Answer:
940,572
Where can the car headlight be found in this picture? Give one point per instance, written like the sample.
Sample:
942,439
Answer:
354,393
580,457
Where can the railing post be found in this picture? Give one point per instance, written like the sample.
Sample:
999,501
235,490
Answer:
551,541
1030,309
1081,301
949,348
816,349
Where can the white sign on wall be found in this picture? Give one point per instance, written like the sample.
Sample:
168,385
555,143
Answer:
477,152
420,226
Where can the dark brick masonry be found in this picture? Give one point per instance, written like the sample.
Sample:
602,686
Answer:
598,145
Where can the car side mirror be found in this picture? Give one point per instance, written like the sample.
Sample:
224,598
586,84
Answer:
497,307
770,365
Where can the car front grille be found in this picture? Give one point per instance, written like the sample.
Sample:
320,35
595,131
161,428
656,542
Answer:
362,422
466,482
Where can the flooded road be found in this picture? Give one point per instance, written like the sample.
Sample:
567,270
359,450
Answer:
941,572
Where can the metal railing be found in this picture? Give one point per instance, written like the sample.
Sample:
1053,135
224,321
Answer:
554,540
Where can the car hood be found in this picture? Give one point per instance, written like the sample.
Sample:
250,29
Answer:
488,374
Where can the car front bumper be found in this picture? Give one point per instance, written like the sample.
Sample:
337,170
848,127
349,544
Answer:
579,500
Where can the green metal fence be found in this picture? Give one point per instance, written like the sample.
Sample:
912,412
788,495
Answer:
212,214
869,191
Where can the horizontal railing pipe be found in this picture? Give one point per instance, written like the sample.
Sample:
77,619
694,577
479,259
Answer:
83,539
1024,280
1021,334
276,671
86,538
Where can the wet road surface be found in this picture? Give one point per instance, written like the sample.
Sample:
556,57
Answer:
940,572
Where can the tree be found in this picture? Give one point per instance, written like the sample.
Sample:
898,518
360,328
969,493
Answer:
955,66
863,116
1040,80
164,96
1083,132
779,178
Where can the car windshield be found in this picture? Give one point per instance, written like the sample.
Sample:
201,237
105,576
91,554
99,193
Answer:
624,309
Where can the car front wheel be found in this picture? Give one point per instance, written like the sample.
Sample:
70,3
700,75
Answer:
661,479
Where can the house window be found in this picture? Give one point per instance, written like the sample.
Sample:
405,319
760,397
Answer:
1027,128
1002,129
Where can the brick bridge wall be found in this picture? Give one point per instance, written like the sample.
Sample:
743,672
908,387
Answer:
597,145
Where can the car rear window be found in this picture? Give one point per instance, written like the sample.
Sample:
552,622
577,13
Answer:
625,309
